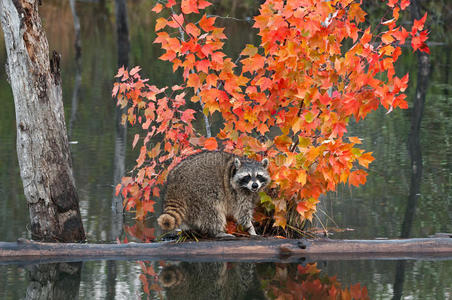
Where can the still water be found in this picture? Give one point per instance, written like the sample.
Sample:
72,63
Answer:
393,193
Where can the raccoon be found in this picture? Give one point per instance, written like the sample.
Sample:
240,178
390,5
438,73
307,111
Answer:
205,188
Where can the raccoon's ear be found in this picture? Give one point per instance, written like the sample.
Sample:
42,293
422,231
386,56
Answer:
264,162
237,163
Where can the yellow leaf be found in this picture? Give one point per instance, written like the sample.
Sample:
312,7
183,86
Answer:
301,178
249,50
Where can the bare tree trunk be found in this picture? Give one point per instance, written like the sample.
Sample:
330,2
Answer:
42,145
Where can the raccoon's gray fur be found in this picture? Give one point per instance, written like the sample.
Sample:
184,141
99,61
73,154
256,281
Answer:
205,188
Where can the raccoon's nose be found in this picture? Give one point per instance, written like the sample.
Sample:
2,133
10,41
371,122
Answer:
254,186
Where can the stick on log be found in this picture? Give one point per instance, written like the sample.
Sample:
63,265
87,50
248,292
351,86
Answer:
263,249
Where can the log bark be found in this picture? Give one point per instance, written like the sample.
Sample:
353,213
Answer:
259,249
42,145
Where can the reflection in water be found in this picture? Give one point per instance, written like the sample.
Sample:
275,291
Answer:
225,280
78,68
54,281
414,149
215,280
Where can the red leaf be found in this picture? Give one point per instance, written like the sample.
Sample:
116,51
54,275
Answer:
392,3
203,65
418,24
170,3
404,4
207,49
179,19
118,189
203,4
187,115
401,35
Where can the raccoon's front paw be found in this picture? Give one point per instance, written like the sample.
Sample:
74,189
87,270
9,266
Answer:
224,235
251,231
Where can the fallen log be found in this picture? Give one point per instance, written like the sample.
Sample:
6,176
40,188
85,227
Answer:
244,249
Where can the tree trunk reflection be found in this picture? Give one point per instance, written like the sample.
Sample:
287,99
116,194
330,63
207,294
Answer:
414,148
54,281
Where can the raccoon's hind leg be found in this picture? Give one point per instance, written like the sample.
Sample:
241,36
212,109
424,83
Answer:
213,221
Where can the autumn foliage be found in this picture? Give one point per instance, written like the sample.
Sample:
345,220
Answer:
291,98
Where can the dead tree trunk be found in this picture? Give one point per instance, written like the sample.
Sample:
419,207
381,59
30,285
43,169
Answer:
42,146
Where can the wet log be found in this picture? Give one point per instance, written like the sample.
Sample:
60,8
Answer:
245,249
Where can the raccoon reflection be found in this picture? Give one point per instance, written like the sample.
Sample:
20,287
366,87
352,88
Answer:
207,187
213,280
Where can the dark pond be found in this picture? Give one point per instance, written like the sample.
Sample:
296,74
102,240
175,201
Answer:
397,200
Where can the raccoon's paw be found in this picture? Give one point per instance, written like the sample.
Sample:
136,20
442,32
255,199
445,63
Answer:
166,222
224,235
251,231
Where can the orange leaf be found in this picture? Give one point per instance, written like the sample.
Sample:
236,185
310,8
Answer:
357,177
169,55
193,81
157,8
160,23
365,159
189,6
354,139
211,144
207,23
192,30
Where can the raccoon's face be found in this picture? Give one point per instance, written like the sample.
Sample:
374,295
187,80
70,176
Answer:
250,175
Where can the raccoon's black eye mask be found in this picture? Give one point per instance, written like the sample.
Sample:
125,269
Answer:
245,180
261,178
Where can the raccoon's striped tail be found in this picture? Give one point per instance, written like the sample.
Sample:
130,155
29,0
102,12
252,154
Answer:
172,216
